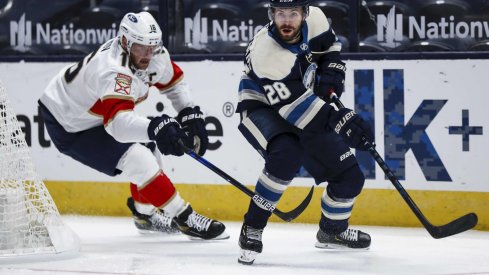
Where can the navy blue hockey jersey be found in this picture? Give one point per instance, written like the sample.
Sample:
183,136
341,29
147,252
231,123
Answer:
281,76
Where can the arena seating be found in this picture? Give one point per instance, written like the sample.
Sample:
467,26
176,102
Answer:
482,45
434,9
104,13
368,25
98,17
338,12
259,12
124,6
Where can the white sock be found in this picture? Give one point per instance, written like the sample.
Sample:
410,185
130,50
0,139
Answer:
175,206
144,208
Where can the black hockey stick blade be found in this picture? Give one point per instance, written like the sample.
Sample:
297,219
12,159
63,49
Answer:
459,225
291,215
259,200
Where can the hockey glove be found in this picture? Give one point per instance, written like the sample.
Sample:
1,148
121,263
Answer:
352,128
331,80
166,132
192,121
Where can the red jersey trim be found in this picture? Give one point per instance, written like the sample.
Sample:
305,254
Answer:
177,77
112,106
97,109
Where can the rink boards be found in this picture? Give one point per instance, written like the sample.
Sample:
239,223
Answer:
225,202
430,120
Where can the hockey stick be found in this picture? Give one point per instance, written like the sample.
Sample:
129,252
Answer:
456,226
259,200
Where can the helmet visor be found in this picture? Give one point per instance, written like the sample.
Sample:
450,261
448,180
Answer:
143,50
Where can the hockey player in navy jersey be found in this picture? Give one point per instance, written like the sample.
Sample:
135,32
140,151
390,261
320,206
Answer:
292,67
89,113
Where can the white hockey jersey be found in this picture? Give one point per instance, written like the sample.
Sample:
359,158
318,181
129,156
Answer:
102,89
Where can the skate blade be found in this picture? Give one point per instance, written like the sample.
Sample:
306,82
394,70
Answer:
247,257
338,247
159,233
223,236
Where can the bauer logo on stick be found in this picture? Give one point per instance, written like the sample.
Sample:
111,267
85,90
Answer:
262,203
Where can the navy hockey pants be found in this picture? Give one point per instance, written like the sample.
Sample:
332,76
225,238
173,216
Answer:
286,149
93,147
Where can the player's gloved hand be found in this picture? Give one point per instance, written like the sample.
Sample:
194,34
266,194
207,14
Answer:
192,121
330,80
166,132
352,128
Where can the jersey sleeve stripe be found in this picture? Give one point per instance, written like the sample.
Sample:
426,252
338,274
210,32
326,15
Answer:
251,95
298,112
112,106
97,109
165,87
177,77
310,113
247,83
286,110
303,110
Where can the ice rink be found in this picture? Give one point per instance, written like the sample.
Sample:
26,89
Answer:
113,246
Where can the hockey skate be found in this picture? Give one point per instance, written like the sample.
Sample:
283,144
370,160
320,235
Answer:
158,222
250,244
348,239
197,226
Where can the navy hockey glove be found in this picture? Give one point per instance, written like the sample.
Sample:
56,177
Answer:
331,79
192,121
352,128
166,132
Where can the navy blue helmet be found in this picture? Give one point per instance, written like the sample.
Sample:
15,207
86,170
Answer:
288,3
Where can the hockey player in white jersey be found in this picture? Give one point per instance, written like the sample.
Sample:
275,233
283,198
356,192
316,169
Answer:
292,66
89,113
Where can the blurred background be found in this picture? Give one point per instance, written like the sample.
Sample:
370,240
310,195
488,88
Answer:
224,27
423,62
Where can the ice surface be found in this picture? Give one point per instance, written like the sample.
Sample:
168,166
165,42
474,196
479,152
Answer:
113,246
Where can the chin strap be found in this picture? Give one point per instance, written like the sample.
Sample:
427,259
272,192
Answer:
141,74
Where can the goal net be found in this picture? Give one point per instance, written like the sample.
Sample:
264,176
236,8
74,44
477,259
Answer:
30,224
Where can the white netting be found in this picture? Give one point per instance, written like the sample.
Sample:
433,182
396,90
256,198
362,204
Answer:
29,220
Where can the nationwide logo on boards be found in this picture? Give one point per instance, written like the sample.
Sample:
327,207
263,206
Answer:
23,34
199,31
390,28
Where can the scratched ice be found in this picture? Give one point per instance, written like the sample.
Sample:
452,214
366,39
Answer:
113,246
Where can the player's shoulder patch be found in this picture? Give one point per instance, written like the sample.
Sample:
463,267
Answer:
123,84
317,22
